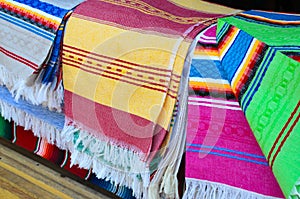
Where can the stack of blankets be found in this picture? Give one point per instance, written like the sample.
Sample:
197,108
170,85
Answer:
126,86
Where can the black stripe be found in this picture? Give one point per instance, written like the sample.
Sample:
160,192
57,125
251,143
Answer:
252,73
28,20
215,94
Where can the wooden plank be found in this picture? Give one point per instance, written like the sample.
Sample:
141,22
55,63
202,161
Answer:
22,177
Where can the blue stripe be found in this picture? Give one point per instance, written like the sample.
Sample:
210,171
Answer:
206,69
236,54
222,31
45,7
28,27
228,156
52,67
228,150
274,16
286,47
256,82
247,94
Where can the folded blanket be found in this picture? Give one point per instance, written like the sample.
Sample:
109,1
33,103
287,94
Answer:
223,159
30,45
122,66
260,56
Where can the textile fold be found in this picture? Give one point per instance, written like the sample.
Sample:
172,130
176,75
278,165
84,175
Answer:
123,64
31,33
223,158
263,69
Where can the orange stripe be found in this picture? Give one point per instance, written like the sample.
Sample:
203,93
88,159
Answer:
209,85
270,20
206,52
21,9
228,39
244,67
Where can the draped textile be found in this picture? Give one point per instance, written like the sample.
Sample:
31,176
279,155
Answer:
223,158
122,72
30,44
260,56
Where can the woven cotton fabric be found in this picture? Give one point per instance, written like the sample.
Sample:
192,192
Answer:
30,45
260,55
223,158
122,65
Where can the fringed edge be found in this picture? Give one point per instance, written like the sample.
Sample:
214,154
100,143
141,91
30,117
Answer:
137,178
295,193
37,94
211,190
165,183
107,161
29,122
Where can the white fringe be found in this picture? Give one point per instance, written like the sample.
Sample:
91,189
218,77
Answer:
209,190
30,122
165,183
37,93
126,167
295,193
119,165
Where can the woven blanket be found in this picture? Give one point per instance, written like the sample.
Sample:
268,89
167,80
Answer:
260,56
30,44
223,159
122,67
62,158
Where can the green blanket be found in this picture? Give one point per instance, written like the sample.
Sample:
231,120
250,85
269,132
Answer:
260,54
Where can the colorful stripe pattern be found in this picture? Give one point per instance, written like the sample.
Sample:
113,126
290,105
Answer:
138,61
122,64
264,72
39,146
220,147
33,16
31,33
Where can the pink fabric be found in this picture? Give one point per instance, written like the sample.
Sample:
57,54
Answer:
220,146
227,130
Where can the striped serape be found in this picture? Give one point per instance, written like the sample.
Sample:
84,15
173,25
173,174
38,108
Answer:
223,159
61,158
122,68
260,55
30,44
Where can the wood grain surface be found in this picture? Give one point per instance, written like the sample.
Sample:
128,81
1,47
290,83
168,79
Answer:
21,177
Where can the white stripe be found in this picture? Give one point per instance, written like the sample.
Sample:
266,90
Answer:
214,105
214,101
283,13
56,19
207,41
208,37
209,80
15,133
38,145
65,159
69,4
244,61
229,45
202,34
206,57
